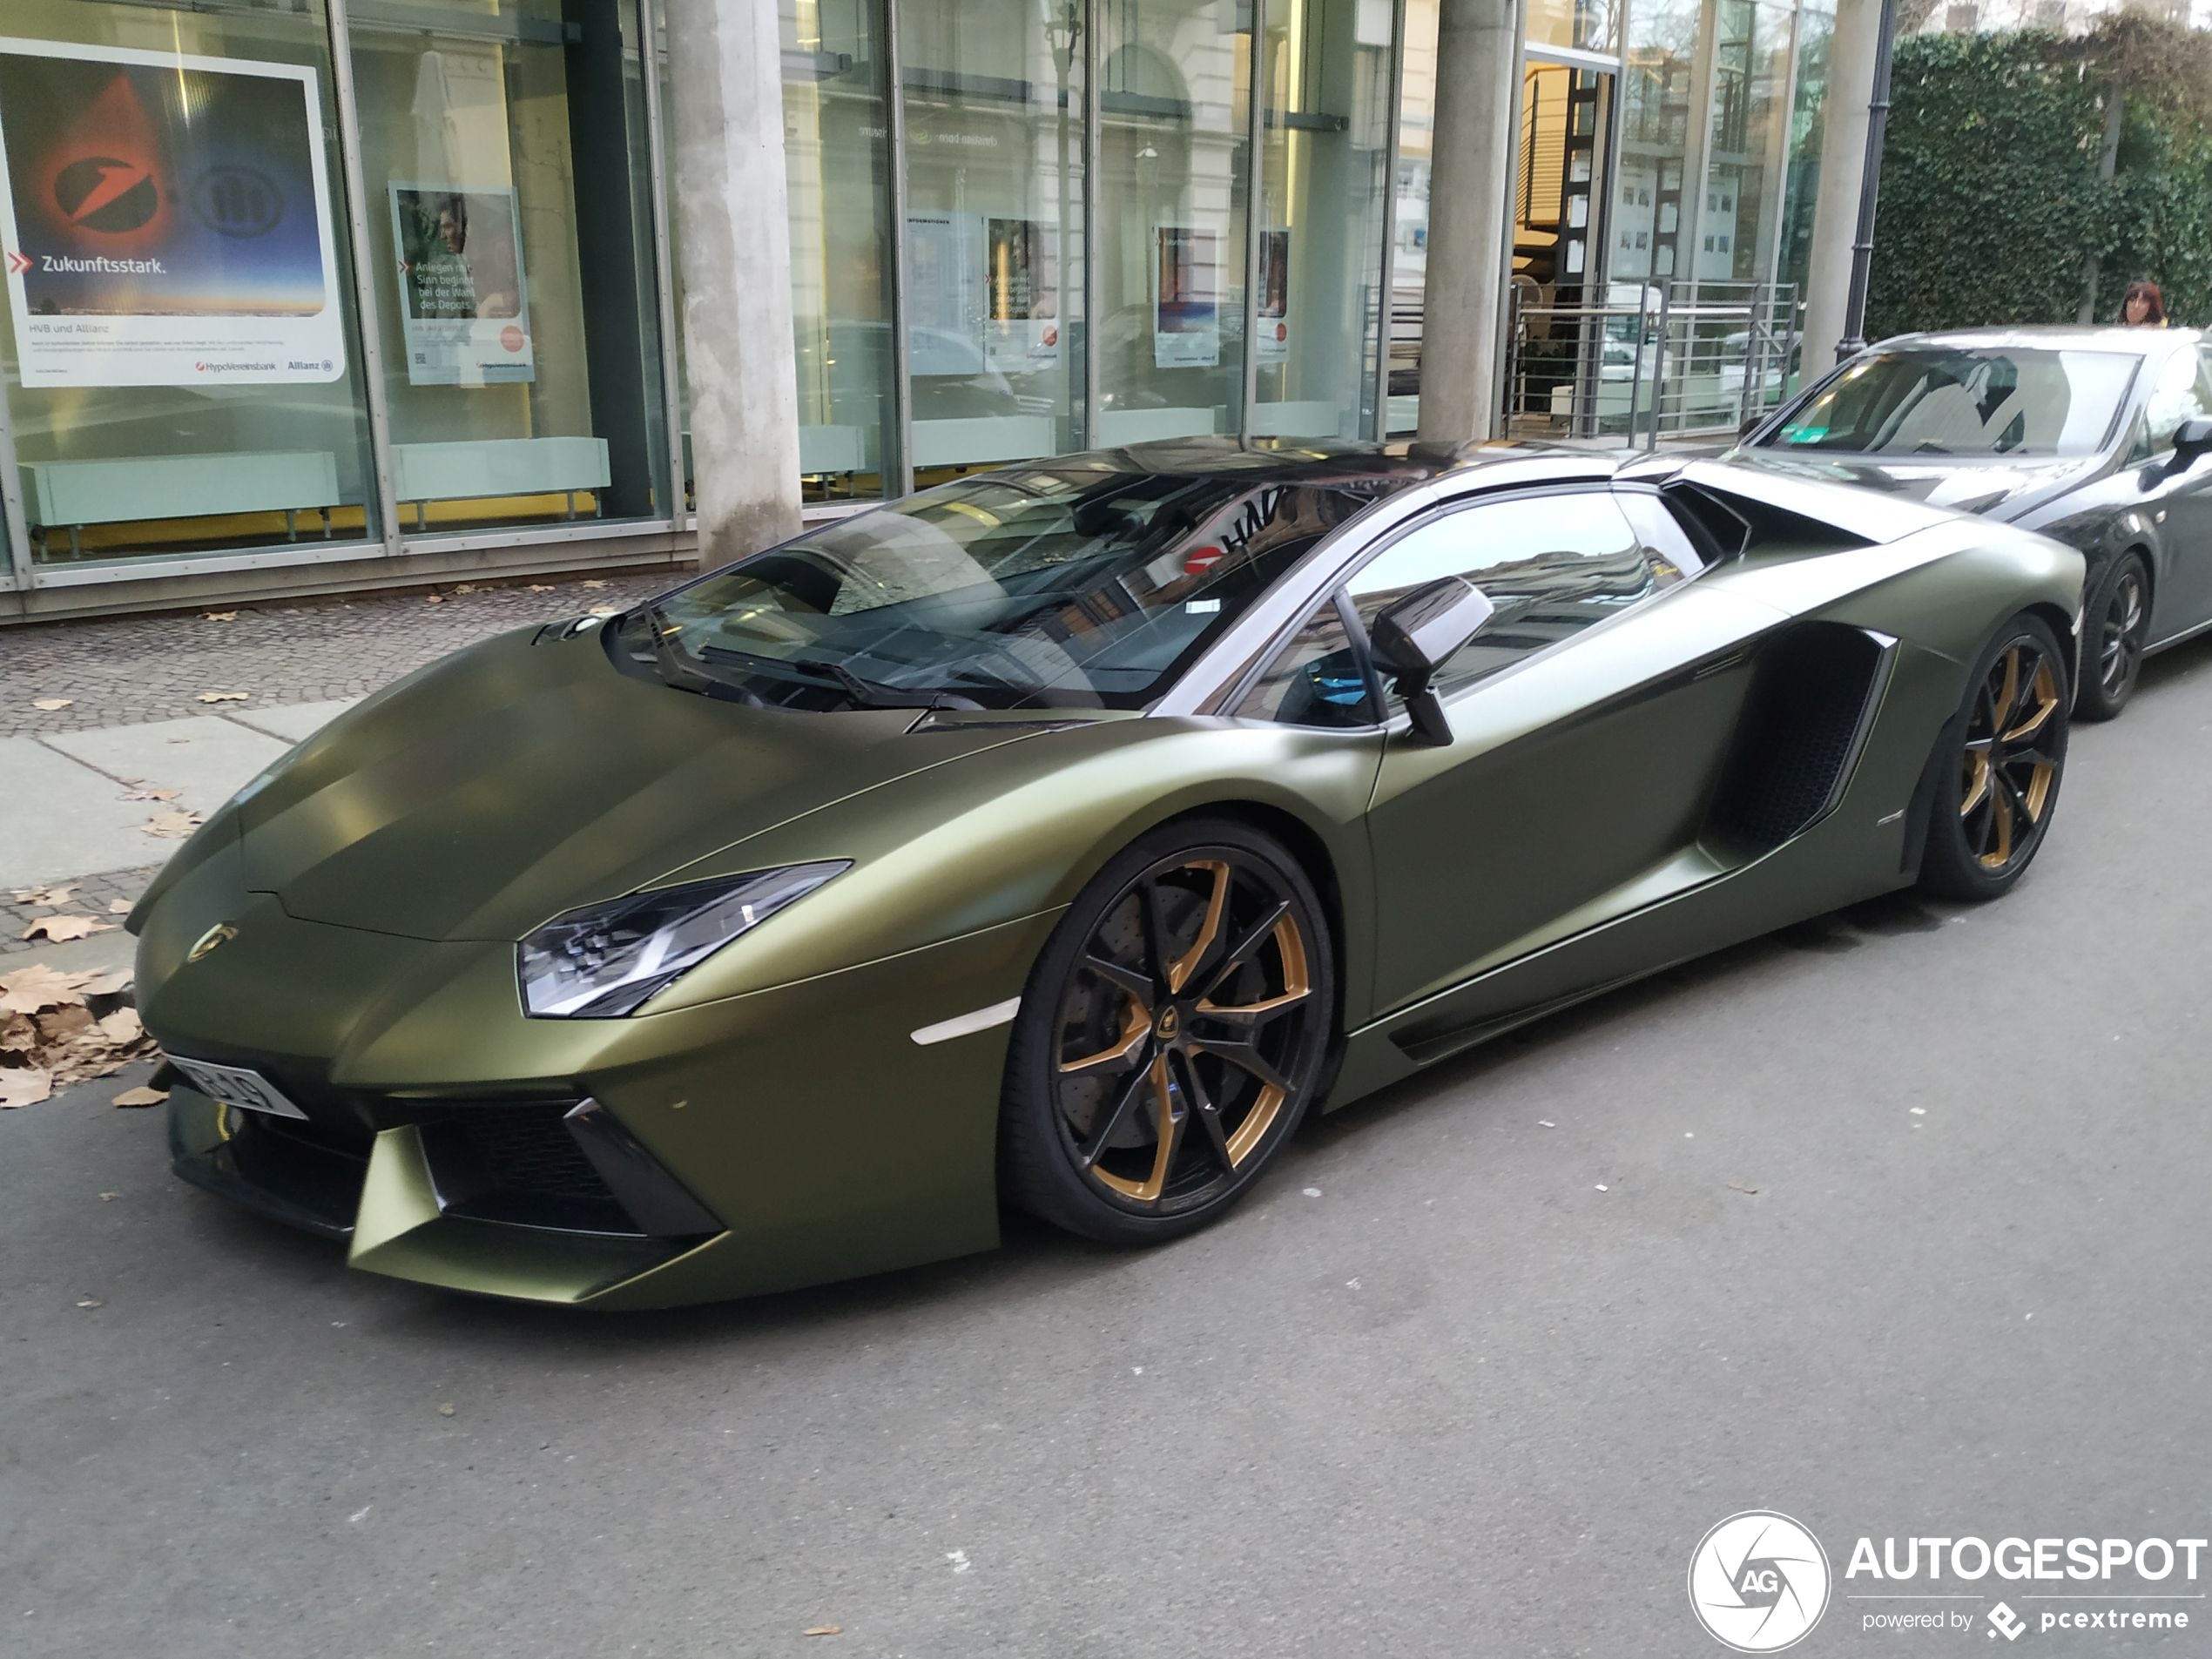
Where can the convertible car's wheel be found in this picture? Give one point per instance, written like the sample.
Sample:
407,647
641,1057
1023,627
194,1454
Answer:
1171,1037
2115,630
1997,783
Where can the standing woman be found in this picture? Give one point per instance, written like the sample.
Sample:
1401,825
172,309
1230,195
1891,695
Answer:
2143,306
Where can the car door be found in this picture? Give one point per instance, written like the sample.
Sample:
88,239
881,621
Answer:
2178,497
1589,723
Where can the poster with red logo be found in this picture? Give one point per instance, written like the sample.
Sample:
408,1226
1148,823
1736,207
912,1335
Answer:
166,218
467,305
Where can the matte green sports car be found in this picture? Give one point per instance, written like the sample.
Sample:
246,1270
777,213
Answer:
1061,837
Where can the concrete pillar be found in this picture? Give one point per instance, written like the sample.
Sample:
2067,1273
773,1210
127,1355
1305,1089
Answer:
726,127
1470,205
1843,169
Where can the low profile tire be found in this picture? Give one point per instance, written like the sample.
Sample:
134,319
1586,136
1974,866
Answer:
1999,766
1172,1035
2115,629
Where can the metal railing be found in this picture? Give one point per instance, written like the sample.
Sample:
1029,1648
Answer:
1687,361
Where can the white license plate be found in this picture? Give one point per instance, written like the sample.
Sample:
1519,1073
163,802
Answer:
236,1086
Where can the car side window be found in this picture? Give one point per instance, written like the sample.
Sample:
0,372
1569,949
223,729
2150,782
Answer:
2181,393
1319,678
1552,565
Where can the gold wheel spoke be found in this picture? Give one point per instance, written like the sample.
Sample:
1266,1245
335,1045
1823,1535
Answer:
1179,970
2043,688
1978,789
1121,1055
1108,1126
1249,941
1248,1015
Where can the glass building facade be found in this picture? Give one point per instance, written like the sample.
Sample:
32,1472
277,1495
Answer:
312,289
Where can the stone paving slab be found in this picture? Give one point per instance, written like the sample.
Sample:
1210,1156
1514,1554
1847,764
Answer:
59,818
294,722
208,758
120,671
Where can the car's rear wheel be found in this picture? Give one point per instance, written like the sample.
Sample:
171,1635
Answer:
1997,779
1172,1035
2115,630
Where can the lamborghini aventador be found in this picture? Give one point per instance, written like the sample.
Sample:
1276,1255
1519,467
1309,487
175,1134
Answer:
1061,837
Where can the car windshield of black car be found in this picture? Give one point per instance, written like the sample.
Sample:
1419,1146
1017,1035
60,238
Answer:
1930,401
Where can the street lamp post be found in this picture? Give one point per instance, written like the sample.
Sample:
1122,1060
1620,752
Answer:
1862,252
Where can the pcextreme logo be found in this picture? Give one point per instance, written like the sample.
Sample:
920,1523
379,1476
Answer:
1758,1581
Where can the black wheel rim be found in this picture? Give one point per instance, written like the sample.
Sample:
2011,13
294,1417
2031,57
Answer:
2119,643
2011,760
1188,1033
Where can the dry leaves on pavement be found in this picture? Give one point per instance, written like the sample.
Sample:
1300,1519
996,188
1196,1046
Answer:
221,616
170,826
62,929
225,697
595,583
541,587
58,1028
118,907
153,794
46,898
51,703
141,1097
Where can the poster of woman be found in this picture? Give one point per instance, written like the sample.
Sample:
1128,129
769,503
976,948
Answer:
461,285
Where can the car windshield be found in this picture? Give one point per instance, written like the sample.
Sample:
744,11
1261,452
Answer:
1072,586
1932,402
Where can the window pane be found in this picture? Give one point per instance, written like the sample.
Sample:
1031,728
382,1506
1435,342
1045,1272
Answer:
1751,71
1409,249
1935,402
1317,678
1552,565
182,362
506,173
1172,286
837,172
1587,23
1322,180
995,111
1647,216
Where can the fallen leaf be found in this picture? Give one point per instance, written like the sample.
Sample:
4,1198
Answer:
141,1097
1734,1186
62,929
445,1411
153,794
118,907
466,587
17,1035
49,898
29,989
595,583
122,1026
24,1085
106,984
90,1302
822,1630
224,697
606,610
64,1024
434,598
50,703
541,587
109,1197
221,616
170,826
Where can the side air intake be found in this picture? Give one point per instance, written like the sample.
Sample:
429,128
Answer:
1814,688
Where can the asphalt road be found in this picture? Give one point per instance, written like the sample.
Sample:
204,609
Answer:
1471,1376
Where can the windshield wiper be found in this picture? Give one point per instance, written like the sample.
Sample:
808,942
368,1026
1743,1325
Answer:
880,694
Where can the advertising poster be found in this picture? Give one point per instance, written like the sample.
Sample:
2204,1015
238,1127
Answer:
165,219
941,311
1274,344
1186,298
1021,322
462,287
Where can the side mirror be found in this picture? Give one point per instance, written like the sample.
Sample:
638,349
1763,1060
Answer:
1418,635
2192,439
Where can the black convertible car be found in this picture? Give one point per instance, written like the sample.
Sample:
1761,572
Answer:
2097,436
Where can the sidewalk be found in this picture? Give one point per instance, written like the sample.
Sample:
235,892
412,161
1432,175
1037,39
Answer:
76,780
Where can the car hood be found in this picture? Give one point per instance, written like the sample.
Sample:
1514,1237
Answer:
2000,489
516,780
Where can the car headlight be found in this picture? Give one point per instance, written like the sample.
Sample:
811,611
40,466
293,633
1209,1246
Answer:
600,964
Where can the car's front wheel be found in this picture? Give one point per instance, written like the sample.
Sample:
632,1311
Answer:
1999,768
1172,1035
2115,630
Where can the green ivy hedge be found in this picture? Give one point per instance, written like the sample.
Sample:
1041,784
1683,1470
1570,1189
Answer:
1991,202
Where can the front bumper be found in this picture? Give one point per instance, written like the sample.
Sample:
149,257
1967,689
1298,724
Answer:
792,1137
